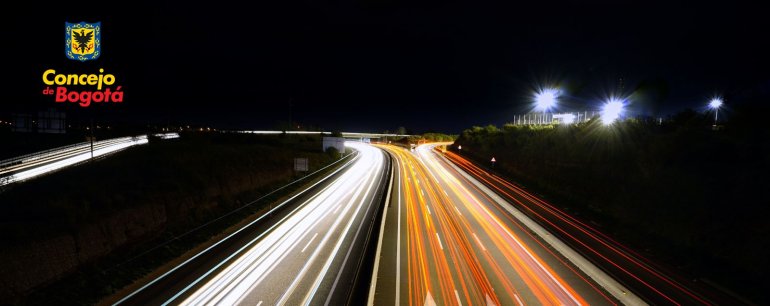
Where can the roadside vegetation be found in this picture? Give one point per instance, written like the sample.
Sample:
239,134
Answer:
677,190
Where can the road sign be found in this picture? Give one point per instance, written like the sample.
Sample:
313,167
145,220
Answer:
300,164
493,159
460,147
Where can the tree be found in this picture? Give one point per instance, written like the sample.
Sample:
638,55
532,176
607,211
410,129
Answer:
333,152
491,129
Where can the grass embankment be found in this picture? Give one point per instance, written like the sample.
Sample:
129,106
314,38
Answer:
681,192
68,235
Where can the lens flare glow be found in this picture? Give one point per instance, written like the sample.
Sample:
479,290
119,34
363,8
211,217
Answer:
612,110
546,98
715,103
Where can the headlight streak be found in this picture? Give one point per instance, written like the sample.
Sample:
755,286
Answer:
36,166
242,281
248,245
277,251
300,277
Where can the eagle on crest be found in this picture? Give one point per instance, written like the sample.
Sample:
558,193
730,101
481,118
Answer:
82,39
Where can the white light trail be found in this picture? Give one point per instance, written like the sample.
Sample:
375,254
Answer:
243,278
45,163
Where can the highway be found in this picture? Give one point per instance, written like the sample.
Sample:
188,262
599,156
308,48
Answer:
654,283
30,166
449,240
308,252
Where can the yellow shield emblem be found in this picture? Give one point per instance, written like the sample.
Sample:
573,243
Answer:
83,40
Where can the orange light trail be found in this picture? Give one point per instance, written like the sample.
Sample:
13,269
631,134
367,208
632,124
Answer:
461,252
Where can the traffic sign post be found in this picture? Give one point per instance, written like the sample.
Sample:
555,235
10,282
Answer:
301,164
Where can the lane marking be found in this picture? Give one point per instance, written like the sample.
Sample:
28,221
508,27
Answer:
429,301
260,303
517,299
457,296
439,241
458,211
492,303
479,241
308,243
428,208
336,209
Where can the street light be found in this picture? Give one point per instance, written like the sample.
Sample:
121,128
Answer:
612,110
715,104
545,99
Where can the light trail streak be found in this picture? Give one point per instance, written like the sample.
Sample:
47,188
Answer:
308,243
473,257
242,280
34,166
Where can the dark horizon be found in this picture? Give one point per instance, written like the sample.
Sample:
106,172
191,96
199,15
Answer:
375,67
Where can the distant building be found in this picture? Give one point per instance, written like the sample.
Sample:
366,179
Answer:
48,121
51,121
24,123
334,142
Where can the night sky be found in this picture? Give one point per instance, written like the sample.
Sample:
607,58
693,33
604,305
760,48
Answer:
375,66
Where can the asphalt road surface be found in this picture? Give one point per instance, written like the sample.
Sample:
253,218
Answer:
448,240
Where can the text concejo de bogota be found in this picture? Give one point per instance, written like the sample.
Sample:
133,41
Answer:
83,97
